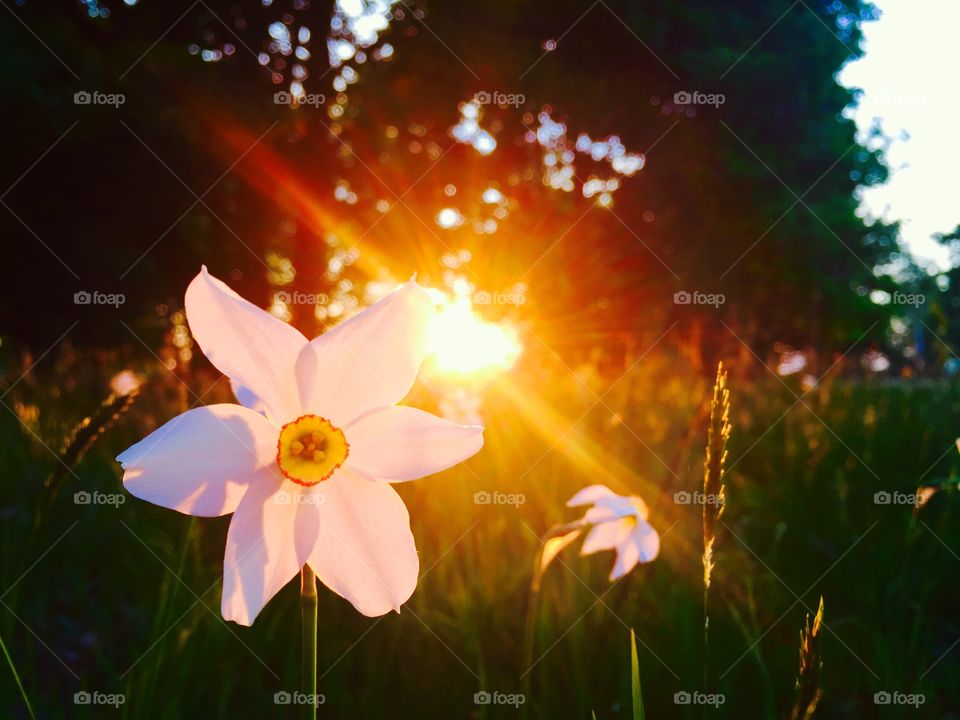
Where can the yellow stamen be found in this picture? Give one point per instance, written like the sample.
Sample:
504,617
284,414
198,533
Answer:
310,449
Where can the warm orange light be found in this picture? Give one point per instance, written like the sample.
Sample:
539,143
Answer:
463,342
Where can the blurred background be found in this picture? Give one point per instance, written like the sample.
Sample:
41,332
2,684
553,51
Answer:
606,199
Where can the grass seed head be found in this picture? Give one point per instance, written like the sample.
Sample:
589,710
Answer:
713,487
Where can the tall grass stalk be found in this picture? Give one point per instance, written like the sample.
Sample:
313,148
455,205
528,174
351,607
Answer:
76,444
635,691
713,492
171,583
808,677
169,591
16,676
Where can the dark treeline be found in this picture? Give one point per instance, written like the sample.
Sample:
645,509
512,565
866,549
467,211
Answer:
751,197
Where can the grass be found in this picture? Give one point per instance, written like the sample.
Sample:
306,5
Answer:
126,599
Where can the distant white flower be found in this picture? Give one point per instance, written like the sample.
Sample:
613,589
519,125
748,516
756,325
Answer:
305,466
616,523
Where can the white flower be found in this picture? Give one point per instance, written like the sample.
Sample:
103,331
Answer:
616,523
305,466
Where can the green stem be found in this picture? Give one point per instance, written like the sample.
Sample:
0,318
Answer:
533,608
529,631
308,630
13,669
706,641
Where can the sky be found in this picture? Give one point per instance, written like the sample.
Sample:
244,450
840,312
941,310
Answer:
909,81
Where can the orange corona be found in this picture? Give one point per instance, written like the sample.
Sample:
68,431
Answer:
310,449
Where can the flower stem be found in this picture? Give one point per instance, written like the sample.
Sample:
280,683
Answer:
308,630
529,631
563,534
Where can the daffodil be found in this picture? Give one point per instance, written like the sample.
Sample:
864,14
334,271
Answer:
615,522
306,461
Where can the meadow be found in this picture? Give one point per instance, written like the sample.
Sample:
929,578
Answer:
604,201
124,597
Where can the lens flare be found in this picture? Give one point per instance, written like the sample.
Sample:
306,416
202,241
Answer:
461,341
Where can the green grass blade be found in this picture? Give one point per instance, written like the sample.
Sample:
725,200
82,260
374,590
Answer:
13,669
638,713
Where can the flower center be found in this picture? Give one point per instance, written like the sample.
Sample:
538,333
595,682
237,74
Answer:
309,449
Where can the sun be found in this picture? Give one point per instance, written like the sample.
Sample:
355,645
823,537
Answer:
462,342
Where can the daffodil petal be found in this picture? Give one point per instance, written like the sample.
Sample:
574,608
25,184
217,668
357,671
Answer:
606,535
365,551
598,514
642,544
640,507
646,540
247,398
589,495
200,462
270,537
404,443
256,350
368,362
624,506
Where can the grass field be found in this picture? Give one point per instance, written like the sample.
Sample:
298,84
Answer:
125,598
